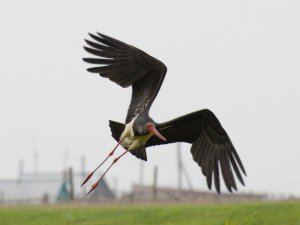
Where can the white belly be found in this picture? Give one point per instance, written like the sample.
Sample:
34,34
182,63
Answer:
130,141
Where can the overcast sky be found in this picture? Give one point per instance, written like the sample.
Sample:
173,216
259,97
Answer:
238,58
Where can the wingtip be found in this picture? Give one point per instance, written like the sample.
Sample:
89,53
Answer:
93,36
209,183
100,34
96,37
91,70
87,41
104,36
235,188
218,189
243,183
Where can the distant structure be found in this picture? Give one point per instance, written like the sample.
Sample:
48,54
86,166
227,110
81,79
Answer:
153,193
50,188
144,194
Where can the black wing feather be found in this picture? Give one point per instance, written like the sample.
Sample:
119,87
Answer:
211,147
127,66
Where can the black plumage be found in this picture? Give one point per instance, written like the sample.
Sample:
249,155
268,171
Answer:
128,66
211,146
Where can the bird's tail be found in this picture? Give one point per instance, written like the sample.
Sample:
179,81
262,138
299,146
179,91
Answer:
116,129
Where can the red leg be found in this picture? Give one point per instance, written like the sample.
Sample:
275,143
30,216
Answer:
109,155
97,183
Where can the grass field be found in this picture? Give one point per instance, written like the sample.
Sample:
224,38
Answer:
278,213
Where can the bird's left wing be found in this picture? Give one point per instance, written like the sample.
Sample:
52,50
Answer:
127,66
211,146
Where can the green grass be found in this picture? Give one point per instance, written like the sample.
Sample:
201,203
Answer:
278,213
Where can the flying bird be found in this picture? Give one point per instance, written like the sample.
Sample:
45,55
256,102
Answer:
127,66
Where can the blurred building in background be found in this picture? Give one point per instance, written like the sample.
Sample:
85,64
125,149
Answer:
141,194
50,188
43,188
65,186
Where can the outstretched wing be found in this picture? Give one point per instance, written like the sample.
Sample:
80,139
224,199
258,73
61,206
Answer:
127,66
211,146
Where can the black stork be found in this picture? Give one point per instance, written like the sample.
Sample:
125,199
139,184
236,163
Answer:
128,66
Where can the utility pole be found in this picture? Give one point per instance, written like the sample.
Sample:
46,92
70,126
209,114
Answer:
187,178
83,171
21,168
35,156
155,182
182,170
71,184
179,166
141,173
116,191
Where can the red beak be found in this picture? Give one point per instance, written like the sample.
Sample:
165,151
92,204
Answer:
153,130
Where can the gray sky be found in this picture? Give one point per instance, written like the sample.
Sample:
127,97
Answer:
238,58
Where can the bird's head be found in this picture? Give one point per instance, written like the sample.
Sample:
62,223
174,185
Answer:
144,125
151,129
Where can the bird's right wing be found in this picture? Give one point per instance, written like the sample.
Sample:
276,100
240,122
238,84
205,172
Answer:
211,146
127,66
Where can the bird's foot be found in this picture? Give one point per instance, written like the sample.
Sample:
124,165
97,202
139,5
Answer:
98,182
109,155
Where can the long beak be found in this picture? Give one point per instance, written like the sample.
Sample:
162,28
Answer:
155,132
